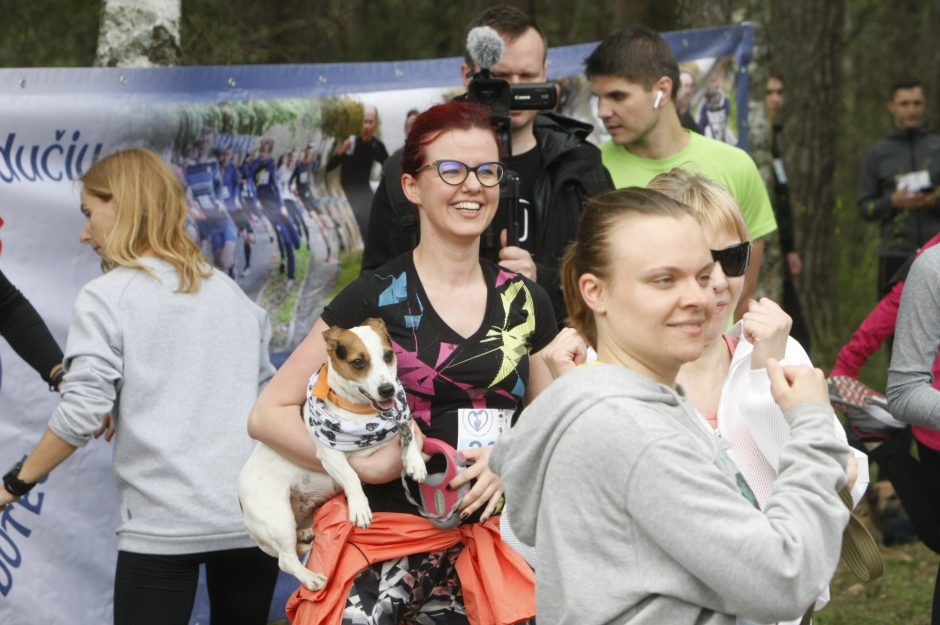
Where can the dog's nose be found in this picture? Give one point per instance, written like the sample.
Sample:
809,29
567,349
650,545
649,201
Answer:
386,390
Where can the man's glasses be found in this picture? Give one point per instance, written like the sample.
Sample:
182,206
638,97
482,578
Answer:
734,260
455,172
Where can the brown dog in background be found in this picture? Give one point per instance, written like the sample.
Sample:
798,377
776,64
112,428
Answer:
878,509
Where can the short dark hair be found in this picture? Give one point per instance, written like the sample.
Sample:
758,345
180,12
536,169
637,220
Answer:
639,55
509,21
776,75
908,82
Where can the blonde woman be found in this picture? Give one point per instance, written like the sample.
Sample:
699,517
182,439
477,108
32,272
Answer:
177,353
729,384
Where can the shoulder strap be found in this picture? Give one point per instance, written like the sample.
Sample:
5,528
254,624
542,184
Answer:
405,212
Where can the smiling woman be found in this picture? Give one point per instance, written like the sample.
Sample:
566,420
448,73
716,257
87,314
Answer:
466,333
636,511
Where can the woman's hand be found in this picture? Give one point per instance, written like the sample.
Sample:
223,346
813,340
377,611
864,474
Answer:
796,385
488,489
566,351
515,258
851,472
106,428
766,327
6,498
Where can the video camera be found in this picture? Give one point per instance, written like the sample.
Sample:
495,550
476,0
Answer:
485,47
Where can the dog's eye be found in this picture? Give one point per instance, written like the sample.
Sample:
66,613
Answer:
358,363
389,357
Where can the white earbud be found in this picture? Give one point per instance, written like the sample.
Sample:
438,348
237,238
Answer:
659,99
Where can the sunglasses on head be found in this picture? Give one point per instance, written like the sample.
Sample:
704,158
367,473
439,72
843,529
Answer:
734,260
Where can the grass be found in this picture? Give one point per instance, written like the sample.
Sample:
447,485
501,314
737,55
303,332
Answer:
285,311
902,596
349,264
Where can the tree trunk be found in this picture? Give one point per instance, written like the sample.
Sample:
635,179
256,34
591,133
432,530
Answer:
139,33
724,12
811,138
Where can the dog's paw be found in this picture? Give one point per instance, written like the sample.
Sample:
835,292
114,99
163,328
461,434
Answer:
417,470
313,581
305,535
360,514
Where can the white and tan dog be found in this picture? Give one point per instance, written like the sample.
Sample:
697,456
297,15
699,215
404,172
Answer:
354,405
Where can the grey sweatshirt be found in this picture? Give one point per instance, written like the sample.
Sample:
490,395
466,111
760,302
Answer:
911,395
180,373
637,515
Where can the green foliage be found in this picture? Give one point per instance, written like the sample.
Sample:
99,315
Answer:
349,266
48,33
341,117
221,32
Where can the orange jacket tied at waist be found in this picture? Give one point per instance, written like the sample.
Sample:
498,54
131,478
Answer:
498,586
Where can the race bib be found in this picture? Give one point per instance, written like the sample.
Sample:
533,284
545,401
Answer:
262,177
479,427
225,194
915,181
303,177
205,202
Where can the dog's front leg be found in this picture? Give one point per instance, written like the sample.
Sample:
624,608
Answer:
414,463
336,464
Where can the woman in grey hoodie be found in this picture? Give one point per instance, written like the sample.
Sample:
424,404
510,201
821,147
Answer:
177,353
637,512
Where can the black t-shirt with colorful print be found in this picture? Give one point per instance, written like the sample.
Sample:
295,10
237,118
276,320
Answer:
463,391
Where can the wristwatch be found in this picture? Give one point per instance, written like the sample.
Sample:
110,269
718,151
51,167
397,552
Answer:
56,380
14,485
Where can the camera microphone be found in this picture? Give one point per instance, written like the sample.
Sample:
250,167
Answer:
485,46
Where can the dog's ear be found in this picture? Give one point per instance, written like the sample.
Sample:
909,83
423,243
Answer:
378,325
331,336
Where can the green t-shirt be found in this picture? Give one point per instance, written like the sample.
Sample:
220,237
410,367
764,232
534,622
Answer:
723,163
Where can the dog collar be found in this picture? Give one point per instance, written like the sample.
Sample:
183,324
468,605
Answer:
344,434
322,390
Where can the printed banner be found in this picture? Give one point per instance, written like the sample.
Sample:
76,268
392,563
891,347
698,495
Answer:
279,163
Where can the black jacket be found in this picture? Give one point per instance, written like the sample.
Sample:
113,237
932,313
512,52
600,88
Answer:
26,332
571,173
901,152
783,211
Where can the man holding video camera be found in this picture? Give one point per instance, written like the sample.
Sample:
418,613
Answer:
558,168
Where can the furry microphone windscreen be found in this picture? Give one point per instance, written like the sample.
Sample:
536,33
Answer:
485,46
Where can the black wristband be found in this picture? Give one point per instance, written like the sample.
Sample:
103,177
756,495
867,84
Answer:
14,485
56,380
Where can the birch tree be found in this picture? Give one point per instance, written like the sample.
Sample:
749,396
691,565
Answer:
139,33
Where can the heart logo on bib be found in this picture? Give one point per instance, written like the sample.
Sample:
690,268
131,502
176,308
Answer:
479,420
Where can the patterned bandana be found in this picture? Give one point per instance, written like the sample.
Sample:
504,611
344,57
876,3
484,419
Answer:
345,435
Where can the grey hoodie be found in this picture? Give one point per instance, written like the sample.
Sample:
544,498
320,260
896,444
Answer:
180,373
638,516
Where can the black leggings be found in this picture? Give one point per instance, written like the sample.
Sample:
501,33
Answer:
917,484
160,590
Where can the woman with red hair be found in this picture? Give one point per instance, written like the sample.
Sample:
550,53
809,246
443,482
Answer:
463,330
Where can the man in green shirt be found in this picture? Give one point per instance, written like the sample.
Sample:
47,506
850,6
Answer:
635,78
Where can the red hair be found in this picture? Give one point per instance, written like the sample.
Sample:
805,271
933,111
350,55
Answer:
454,115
